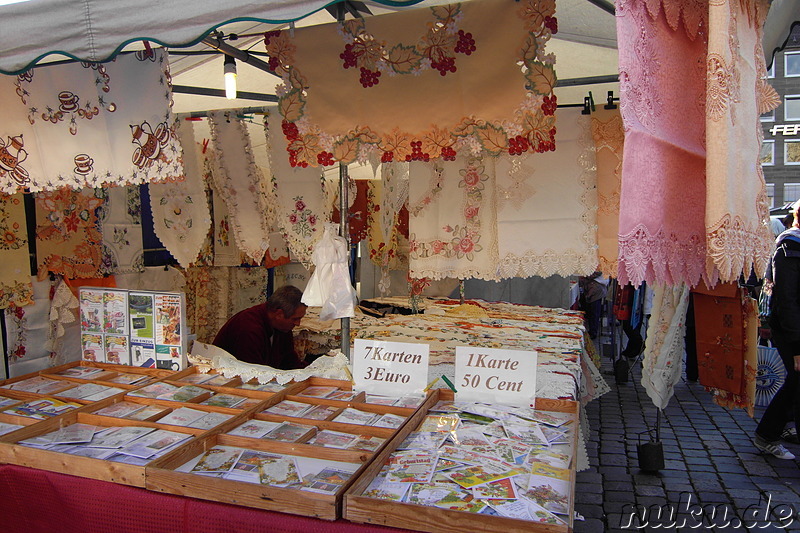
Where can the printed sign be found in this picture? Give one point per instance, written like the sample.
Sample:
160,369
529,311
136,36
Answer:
495,376
390,368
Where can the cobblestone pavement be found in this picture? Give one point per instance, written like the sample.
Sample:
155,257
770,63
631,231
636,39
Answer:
714,478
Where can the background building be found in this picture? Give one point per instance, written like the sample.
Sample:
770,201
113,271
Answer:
780,152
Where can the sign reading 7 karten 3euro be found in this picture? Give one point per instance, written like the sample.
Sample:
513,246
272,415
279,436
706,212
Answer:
390,368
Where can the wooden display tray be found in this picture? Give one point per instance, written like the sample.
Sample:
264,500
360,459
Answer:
88,467
358,508
111,370
163,477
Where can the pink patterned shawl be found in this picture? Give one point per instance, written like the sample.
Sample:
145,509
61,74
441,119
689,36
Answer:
662,83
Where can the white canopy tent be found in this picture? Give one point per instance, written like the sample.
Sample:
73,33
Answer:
41,31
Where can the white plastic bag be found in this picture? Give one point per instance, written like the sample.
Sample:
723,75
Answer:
329,286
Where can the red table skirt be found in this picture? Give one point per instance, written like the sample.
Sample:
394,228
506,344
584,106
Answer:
36,501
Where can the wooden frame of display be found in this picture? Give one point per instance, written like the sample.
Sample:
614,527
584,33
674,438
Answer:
162,476
358,508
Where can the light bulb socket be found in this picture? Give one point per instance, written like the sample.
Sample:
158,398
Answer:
229,65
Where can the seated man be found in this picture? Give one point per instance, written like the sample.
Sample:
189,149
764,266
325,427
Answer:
262,334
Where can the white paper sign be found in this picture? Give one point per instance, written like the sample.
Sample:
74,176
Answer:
390,368
495,376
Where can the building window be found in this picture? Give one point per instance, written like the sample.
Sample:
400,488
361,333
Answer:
769,116
771,194
791,192
791,153
791,107
792,64
771,70
767,156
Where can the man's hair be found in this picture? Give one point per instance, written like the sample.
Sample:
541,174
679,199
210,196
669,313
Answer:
286,299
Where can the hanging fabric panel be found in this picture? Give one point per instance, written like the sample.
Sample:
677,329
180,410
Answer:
82,124
121,220
455,68
546,216
663,356
181,217
608,142
737,206
69,240
301,196
240,184
15,262
453,219
662,84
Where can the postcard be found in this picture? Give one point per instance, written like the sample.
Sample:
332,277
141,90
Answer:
423,440
550,493
545,469
210,420
271,386
255,429
8,428
551,457
461,501
42,408
128,379
183,416
440,422
91,392
530,434
470,438
343,396
249,460
91,309
120,409
381,400
81,372
224,400
320,412
198,378
351,415
430,494
218,459
5,402
72,434
502,489
318,392
366,443
410,402
332,439
186,393
327,481
153,390
288,432
381,489
117,437
474,475
411,467
147,413
153,444
288,408
40,385
389,420
555,436
118,350
115,312
279,471
443,406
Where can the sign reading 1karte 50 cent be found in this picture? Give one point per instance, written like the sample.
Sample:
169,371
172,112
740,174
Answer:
390,368
491,375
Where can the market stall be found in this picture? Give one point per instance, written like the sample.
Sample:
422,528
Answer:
527,178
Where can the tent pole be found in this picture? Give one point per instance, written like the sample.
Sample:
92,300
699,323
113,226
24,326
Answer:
344,206
242,110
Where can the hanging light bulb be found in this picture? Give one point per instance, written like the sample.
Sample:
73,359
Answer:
230,77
